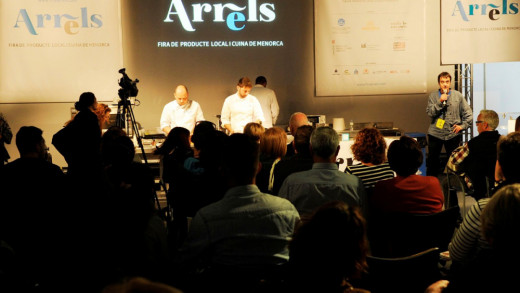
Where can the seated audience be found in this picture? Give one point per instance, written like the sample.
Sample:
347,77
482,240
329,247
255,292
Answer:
517,124
391,232
174,151
468,240
308,190
297,119
301,161
328,251
34,220
139,243
273,146
241,236
255,130
406,193
204,147
370,149
500,227
200,182
477,158
494,269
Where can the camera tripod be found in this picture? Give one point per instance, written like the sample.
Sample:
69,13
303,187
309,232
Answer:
125,118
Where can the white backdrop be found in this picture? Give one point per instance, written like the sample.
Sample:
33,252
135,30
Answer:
370,47
479,32
52,50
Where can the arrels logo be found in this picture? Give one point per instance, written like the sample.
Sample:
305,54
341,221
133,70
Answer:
233,15
492,10
71,24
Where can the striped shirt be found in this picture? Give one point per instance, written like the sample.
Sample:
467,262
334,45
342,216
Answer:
468,240
369,175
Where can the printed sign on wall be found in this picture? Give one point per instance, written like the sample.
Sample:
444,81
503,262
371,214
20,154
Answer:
479,31
53,50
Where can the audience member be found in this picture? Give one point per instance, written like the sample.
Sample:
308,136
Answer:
468,241
477,158
103,113
369,148
301,161
243,235
500,227
268,101
297,119
254,130
203,138
109,136
181,112
508,160
241,108
199,182
494,269
406,193
33,216
207,144
394,199
96,240
5,137
81,144
517,124
308,190
273,146
139,243
174,151
328,251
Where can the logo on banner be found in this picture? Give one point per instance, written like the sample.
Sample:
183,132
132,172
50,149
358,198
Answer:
492,10
71,24
233,15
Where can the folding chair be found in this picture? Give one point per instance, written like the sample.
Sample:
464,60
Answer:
413,273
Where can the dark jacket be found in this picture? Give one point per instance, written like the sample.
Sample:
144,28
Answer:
80,146
480,163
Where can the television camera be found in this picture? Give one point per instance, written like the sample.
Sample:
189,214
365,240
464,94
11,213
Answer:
128,86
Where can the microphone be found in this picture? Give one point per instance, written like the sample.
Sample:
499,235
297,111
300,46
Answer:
445,91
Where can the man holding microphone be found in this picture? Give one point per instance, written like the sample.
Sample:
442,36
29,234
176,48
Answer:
449,113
